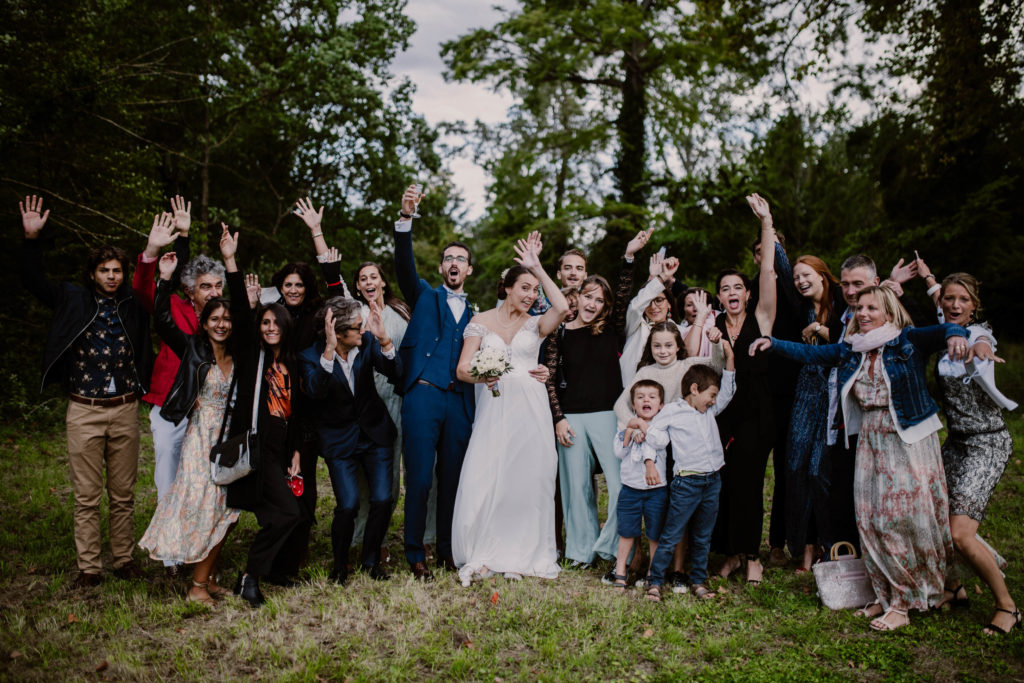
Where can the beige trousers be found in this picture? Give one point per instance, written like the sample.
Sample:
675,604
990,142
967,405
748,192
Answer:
98,436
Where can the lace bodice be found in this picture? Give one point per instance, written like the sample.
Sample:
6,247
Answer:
523,350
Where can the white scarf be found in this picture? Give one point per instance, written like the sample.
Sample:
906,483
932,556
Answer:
874,339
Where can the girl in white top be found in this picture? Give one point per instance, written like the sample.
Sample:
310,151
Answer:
651,305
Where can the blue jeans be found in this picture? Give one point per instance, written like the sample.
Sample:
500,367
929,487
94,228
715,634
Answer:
376,462
693,500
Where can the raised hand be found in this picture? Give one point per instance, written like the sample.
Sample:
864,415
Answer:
700,302
252,289
182,214
411,198
228,242
758,345
903,273
669,267
312,218
655,266
375,323
535,238
923,271
160,235
527,254
332,255
759,205
638,242
168,262
31,220
330,336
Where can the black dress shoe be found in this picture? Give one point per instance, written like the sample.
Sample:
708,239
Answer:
447,564
339,576
377,572
87,580
421,573
128,571
248,588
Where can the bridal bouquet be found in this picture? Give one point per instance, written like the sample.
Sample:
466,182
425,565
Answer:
488,363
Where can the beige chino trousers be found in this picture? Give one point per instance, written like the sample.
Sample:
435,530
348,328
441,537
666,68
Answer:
99,436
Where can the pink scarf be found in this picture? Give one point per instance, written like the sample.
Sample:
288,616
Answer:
875,339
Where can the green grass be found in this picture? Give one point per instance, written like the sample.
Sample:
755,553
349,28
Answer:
570,628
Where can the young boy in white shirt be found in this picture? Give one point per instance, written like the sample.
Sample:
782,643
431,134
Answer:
643,496
689,422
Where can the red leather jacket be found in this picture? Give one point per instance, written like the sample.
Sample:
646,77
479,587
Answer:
165,367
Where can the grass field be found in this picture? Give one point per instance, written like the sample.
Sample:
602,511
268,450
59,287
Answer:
570,628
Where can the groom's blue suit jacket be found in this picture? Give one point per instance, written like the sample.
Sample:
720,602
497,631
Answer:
433,341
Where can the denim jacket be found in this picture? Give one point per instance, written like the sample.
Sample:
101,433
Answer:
903,360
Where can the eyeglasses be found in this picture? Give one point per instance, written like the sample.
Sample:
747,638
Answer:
449,258
659,300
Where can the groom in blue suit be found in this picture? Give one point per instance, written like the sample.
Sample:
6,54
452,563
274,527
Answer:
437,409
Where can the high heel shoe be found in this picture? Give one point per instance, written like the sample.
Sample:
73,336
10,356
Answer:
1005,631
954,601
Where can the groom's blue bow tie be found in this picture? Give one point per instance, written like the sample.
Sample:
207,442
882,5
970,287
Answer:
456,295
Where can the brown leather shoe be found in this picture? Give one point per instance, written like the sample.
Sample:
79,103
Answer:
421,573
128,571
87,580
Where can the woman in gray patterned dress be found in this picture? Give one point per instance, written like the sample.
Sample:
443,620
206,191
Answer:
978,446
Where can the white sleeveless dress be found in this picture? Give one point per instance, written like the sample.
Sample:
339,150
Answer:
505,506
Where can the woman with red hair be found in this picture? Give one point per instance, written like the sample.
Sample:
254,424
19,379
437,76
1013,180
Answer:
817,300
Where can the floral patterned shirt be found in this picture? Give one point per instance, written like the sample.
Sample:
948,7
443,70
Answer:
102,357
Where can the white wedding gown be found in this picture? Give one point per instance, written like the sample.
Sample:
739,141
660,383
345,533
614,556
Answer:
505,506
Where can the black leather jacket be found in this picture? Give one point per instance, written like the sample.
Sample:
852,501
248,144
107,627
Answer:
194,350
74,309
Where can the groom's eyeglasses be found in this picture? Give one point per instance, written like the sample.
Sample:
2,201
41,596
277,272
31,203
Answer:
450,258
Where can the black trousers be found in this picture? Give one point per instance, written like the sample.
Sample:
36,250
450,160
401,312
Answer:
777,525
278,512
844,516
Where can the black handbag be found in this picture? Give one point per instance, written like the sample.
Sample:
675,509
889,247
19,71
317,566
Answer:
237,457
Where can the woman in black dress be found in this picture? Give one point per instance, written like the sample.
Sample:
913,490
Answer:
746,426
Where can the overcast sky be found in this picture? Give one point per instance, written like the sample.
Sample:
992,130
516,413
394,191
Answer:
438,21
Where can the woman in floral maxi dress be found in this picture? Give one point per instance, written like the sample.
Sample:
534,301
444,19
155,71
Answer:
900,492
192,520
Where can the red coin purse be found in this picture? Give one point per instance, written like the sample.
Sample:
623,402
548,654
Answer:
295,484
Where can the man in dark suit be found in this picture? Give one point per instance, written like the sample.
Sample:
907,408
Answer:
437,409
353,424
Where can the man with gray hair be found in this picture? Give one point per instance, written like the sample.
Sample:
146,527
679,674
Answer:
202,278
355,429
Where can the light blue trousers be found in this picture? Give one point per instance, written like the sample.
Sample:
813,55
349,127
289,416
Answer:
595,434
167,440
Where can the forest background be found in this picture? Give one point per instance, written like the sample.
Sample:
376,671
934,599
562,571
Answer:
626,114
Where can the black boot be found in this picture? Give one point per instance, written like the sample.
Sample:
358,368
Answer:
248,588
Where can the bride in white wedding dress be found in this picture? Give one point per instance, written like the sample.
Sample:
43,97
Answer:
505,507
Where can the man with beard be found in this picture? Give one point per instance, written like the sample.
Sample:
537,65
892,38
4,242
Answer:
437,409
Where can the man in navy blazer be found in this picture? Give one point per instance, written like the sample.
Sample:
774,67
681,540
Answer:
437,409
353,424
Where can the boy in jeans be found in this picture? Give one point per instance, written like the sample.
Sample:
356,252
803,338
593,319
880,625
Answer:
689,422
643,497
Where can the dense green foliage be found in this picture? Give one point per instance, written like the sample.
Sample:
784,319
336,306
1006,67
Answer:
110,107
627,114
935,165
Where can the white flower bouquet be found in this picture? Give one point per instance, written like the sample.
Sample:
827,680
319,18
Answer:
490,363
